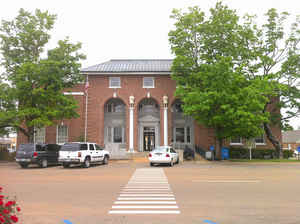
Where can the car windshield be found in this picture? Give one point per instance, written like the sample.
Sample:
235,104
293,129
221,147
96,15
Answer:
160,149
70,147
26,147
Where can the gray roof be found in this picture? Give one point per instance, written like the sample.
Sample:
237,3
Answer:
291,136
162,66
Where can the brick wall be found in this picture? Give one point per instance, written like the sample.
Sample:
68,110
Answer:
99,93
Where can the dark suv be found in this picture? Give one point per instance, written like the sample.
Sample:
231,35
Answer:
40,154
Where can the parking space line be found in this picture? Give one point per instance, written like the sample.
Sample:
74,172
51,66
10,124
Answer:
147,192
142,206
146,202
146,198
143,212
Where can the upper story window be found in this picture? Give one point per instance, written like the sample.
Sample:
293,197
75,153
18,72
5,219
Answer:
114,82
236,141
39,135
148,106
148,82
114,106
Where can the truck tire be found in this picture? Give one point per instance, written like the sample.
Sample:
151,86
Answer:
87,162
105,160
66,165
24,165
44,163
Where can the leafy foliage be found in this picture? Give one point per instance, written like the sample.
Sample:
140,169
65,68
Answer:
234,76
34,96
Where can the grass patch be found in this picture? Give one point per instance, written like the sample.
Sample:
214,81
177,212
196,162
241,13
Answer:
293,160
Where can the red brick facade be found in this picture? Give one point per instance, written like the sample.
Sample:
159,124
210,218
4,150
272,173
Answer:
131,85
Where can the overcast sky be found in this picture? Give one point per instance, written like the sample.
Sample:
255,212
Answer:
127,29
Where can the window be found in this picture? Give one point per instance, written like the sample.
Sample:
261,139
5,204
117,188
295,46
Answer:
148,82
177,108
83,147
116,134
182,134
260,140
40,148
188,135
98,147
114,82
62,134
39,135
236,141
92,147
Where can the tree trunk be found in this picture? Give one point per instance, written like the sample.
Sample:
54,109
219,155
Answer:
276,143
30,135
219,144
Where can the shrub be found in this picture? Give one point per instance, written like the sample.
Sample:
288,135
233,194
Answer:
238,153
8,210
288,153
243,153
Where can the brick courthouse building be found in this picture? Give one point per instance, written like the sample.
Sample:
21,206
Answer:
131,106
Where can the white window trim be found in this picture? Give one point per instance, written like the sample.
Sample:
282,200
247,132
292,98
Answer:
264,143
237,143
260,143
74,93
149,87
57,135
114,87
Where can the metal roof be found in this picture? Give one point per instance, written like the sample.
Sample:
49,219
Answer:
291,136
162,66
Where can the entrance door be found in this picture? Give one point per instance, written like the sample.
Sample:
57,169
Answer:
149,138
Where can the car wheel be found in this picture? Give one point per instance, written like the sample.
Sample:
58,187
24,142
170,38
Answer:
24,165
66,165
151,164
171,163
44,163
105,160
87,163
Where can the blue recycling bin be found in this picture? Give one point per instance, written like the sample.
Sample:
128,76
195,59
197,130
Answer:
225,153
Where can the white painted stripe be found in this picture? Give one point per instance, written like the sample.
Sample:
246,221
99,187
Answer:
144,212
144,198
147,185
133,182
146,202
228,181
147,189
155,187
143,206
143,195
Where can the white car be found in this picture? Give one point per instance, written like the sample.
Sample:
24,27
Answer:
163,155
83,153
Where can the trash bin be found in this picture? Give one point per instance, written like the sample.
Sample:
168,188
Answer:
225,153
208,155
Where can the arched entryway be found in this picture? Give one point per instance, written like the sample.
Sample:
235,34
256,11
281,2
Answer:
183,127
114,123
148,124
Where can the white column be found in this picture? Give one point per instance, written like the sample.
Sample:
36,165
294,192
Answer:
131,149
165,126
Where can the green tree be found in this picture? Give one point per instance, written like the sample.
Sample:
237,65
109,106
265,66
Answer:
223,71
32,96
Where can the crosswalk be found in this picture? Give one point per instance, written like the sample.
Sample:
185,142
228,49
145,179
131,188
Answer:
147,192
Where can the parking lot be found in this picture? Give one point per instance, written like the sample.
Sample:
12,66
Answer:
194,192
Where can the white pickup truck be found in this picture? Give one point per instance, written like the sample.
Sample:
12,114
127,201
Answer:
84,153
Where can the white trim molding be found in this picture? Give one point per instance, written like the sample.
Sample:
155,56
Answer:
74,93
